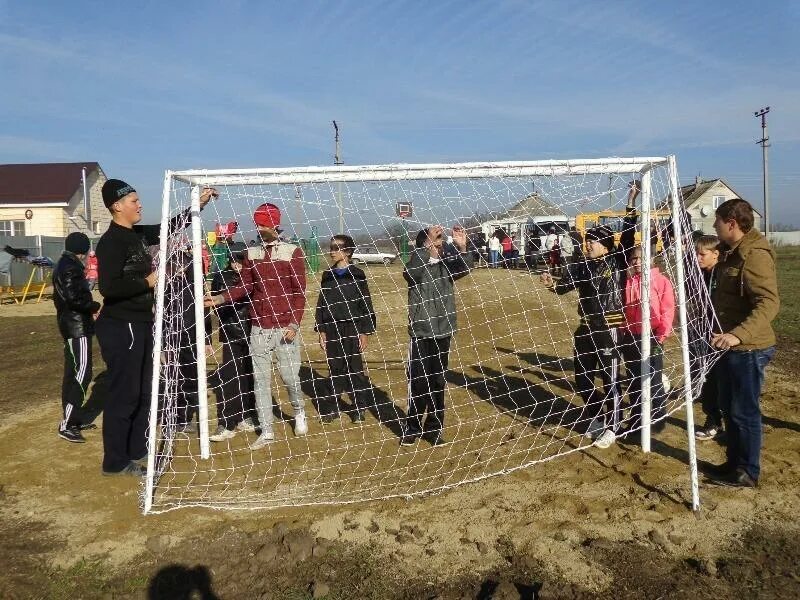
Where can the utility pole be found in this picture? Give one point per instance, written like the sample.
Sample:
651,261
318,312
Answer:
337,160
298,196
612,197
764,142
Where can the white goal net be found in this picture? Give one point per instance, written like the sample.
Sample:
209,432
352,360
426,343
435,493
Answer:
530,368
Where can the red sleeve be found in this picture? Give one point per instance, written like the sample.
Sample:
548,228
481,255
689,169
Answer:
245,286
663,328
297,291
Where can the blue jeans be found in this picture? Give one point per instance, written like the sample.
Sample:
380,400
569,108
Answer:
740,376
494,258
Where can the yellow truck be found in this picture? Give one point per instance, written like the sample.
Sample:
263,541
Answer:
613,220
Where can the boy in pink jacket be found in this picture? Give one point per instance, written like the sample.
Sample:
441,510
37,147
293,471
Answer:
662,314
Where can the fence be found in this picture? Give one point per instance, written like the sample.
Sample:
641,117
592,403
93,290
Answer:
37,245
785,238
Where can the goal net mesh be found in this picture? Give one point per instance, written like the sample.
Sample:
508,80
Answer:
510,392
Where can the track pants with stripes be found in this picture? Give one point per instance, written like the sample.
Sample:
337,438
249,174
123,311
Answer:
77,377
597,355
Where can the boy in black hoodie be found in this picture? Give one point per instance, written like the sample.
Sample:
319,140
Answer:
75,310
234,378
344,318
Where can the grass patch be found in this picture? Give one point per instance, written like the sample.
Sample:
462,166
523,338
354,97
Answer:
788,322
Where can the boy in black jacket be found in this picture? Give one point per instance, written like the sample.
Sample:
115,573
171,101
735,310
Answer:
600,281
75,310
600,285
344,318
233,380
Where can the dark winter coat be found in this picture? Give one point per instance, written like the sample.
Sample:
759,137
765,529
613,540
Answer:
123,264
344,298
431,292
234,318
600,285
73,299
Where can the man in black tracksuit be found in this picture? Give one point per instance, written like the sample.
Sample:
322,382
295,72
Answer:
75,310
233,380
430,273
343,319
125,326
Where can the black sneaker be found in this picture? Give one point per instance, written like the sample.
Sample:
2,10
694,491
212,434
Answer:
131,469
358,416
71,434
708,431
712,470
437,439
408,439
737,478
329,417
85,426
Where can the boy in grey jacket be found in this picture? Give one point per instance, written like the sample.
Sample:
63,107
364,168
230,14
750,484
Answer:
431,272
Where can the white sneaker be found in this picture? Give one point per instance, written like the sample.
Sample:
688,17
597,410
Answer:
222,434
300,424
265,438
595,428
605,440
245,425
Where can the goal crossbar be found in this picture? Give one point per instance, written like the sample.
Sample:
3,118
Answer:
394,172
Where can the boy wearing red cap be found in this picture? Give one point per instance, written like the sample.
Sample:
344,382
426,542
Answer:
273,275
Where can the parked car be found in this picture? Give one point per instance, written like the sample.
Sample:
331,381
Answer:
371,254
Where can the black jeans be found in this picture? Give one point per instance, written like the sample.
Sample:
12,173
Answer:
597,355
740,376
234,385
426,368
346,366
77,377
127,349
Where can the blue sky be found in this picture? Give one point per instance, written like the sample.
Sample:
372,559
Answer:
142,87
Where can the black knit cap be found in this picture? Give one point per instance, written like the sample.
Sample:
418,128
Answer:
115,189
602,234
77,243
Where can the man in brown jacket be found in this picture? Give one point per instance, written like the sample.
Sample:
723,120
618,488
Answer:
746,301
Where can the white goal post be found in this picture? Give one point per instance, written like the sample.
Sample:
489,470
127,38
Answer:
492,365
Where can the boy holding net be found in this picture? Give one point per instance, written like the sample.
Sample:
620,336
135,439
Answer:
274,277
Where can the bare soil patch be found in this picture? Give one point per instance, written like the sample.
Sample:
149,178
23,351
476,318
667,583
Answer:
594,523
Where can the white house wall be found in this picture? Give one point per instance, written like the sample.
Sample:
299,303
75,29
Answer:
706,223
99,214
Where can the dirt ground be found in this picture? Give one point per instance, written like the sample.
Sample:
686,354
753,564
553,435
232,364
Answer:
592,524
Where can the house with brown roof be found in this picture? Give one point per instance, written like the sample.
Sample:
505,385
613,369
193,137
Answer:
702,198
52,199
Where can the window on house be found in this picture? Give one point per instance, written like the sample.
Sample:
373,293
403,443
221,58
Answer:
12,228
716,201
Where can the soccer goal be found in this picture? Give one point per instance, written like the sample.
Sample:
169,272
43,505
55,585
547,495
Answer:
511,398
